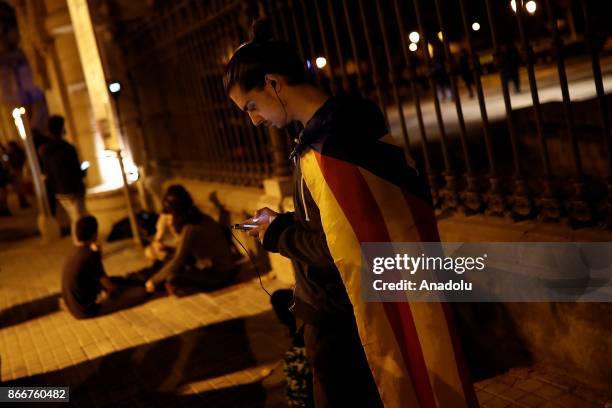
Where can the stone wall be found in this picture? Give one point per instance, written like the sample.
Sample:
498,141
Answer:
573,338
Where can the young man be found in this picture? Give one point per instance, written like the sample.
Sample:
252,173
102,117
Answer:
84,278
62,169
350,187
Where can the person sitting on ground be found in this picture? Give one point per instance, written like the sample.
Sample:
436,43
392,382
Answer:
84,279
157,250
203,257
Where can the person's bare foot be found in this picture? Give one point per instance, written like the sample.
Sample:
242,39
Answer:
170,289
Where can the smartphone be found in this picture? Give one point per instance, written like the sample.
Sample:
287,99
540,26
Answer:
244,227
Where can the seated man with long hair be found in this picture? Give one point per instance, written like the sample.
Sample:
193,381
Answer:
203,258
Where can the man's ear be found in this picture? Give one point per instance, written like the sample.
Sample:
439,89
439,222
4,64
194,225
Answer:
274,82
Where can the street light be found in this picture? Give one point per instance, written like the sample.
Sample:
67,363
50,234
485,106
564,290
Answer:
476,26
17,114
414,37
321,62
531,6
114,87
413,47
440,36
126,191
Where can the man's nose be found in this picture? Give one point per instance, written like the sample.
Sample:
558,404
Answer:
255,118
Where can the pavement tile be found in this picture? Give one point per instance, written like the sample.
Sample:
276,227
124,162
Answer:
532,400
550,404
496,402
529,384
572,401
549,392
497,388
506,379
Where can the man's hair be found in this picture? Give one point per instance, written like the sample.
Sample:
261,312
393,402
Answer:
86,228
55,125
178,202
253,60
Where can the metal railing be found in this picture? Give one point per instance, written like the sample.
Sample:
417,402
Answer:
523,154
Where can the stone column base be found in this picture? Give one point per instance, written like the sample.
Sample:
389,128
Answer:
49,228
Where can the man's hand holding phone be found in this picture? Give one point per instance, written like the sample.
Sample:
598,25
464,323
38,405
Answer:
257,225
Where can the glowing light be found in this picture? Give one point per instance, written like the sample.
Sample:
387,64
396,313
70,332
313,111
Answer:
413,47
430,50
531,6
476,26
308,64
131,172
414,37
321,62
440,36
17,113
114,87
109,165
110,153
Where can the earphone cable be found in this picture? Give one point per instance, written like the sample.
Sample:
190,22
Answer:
252,262
282,106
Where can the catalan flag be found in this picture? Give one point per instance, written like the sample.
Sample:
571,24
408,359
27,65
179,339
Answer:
366,192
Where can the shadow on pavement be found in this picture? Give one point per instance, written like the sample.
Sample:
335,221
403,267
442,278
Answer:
34,309
490,339
12,234
153,374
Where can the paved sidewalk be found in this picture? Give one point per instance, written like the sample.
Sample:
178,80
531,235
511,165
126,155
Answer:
222,349
217,349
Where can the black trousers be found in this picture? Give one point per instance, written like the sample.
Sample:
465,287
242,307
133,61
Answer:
128,295
341,375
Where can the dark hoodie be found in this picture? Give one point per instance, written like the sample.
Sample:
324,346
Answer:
346,128
60,163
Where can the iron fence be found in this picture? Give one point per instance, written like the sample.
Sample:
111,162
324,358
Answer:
441,71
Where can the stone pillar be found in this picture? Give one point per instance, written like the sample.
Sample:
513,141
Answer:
70,93
47,224
60,34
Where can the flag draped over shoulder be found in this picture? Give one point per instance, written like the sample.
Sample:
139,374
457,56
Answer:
412,348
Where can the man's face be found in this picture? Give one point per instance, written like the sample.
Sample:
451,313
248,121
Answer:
262,106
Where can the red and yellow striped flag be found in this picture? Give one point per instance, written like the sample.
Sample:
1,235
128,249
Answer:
412,348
